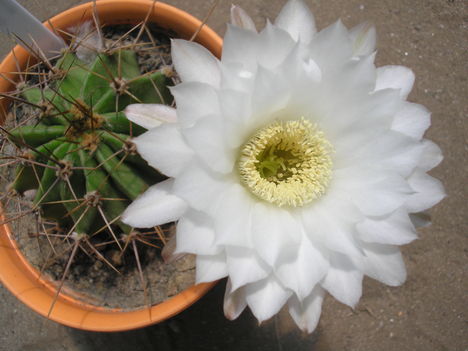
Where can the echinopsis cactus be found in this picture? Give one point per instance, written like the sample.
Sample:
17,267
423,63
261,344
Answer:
78,153
70,142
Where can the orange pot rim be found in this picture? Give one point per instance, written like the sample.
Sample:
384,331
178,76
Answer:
16,273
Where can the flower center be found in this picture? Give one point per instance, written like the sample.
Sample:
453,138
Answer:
287,163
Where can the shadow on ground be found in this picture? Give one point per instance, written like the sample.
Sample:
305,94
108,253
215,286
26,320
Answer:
202,327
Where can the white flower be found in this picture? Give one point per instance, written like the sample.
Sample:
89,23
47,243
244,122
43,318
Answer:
294,164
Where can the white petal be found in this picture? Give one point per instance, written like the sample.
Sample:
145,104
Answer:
275,233
232,53
155,206
421,219
168,252
372,116
199,187
241,19
235,77
302,272
207,139
395,77
194,63
236,110
412,120
331,47
322,226
210,268
164,149
390,151
245,266
234,204
297,20
270,95
195,234
384,263
343,280
429,191
274,46
364,38
431,156
307,314
266,297
234,302
375,193
381,198
150,115
395,229
194,100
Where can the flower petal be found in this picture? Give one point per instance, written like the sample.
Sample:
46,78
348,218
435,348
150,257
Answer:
343,280
234,301
390,151
384,263
431,155
331,47
303,271
395,77
241,19
199,187
206,138
194,100
307,314
195,234
247,57
164,149
270,95
297,19
429,191
194,63
155,206
245,266
421,219
210,268
382,196
150,115
275,233
395,229
236,205
322,226
412,120
266,297
364,38
168,253
236,110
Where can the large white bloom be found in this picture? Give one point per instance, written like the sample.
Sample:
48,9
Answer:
294,164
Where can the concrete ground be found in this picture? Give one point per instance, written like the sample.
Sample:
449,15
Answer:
429,312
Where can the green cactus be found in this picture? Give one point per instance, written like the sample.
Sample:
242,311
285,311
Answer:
80,158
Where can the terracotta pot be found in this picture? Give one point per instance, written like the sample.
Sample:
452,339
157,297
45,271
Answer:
23,280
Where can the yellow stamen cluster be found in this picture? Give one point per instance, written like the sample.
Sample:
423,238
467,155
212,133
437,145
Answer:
287,163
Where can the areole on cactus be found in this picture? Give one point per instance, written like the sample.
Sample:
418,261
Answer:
79,155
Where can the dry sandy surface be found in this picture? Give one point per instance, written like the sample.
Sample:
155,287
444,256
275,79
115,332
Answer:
429,312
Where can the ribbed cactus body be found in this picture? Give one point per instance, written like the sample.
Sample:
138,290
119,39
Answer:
79,155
